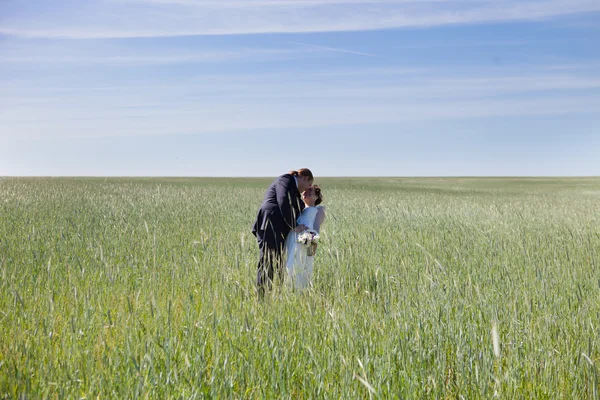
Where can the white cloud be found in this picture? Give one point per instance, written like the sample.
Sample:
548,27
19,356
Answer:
157,58
245,103
245,117
332,49
77,53
357,84
156,18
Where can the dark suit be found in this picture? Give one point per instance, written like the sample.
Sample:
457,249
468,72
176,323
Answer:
276,217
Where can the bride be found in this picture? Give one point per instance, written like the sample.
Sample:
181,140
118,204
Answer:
299,264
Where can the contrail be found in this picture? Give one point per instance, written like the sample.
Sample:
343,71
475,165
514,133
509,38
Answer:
334,49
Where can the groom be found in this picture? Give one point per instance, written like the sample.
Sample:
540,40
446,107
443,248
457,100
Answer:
276,217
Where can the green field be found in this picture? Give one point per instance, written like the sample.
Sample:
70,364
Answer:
127,288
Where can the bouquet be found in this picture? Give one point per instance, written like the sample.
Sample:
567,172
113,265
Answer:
309,239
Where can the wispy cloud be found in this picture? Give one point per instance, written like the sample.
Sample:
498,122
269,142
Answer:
283,3
238,118
333,49
75,58
294,99
367,82
158,18
594,66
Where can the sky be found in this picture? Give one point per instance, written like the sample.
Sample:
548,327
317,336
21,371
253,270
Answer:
259,87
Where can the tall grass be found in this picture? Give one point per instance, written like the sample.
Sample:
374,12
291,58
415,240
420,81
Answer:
424,288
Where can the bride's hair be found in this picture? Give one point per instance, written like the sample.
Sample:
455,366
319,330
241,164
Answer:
318,193
302,172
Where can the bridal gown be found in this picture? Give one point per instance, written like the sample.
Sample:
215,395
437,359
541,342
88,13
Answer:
299,264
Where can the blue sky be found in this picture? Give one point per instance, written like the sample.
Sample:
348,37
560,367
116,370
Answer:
258,87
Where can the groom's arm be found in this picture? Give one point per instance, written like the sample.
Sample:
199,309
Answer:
285,194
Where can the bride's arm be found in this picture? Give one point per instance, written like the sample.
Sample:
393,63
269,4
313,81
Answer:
319,219
300,227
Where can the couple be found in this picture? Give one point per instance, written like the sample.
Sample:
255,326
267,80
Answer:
290,207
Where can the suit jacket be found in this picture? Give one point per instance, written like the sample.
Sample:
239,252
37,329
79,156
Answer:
280,208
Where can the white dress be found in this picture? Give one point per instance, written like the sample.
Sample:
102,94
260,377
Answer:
299,264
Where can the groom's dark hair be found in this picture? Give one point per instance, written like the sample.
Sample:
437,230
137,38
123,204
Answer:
304,172
318,193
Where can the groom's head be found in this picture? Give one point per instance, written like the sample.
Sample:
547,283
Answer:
304,177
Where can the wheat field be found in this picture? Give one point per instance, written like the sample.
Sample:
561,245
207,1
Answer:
423,288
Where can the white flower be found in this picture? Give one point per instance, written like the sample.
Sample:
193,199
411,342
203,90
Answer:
308,237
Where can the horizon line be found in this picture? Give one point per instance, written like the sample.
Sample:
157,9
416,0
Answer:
319,177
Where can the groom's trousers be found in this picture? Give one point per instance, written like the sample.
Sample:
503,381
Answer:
271,244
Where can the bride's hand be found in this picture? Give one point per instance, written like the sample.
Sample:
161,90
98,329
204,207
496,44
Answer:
301,228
